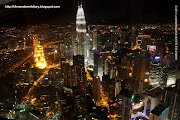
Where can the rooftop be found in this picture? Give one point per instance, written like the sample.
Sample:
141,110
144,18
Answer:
154,92
159,110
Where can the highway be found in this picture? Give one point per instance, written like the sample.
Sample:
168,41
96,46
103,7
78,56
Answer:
12,50
27,97
51,43
15,66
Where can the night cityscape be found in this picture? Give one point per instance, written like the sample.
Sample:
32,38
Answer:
89,59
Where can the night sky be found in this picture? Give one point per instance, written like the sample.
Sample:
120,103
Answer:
96,11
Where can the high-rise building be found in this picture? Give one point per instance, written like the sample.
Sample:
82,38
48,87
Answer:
98,65
80,32
133,38
78,60
67,72
79,71
124,105
108,85
139,70
96,90
143,40
81,43
172,99
62,47
95,36
106,67
80,20
39,54
140,67
53,78
155,73
172,77
79,102
152,99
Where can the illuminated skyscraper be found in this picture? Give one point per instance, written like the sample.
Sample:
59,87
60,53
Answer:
81,44
95,39
106,67
155,73
39,54
80,31
80,20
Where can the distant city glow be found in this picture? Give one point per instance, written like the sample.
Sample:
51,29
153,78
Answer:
87,71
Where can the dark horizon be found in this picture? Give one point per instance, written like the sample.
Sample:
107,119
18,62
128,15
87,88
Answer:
115,12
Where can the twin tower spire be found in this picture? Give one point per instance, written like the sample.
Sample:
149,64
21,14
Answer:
82,42
80,20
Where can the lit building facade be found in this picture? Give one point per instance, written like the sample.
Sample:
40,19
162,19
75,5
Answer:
156,73
95,36
39,55
82,41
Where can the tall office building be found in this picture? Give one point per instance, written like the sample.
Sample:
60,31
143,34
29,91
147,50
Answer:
95,39
155,73
79,71
98,65
62,47
124,105
152,99
133,38
139,70
79,102
96,90
80,20
106,67
141,65
81,43
80,32
39,54
78,85
172,98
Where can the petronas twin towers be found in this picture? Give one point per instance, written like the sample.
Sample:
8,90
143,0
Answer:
80,20
82,42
